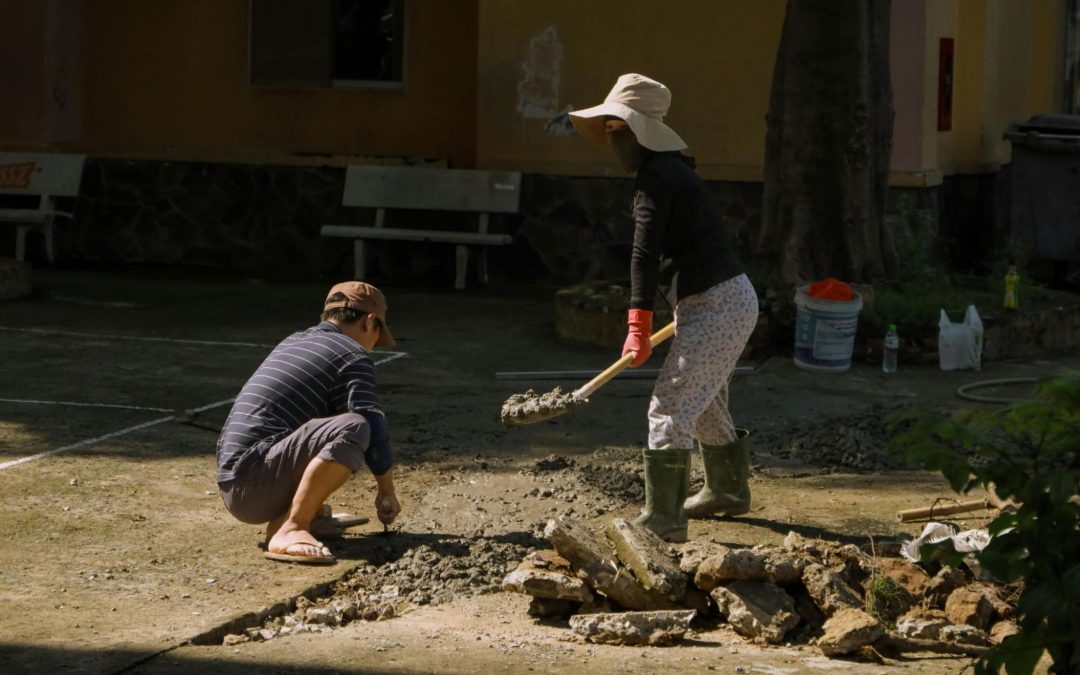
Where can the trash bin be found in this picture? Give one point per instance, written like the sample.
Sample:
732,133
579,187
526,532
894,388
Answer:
1045,185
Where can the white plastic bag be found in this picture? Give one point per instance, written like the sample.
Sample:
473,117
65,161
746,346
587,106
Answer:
960,344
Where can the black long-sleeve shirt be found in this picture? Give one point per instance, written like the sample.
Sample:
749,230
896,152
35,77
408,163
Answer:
676,232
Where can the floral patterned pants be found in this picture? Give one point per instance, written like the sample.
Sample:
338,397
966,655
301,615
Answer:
690,399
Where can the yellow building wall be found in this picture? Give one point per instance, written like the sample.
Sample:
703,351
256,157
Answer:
169,79
1008,68
487,79
537,59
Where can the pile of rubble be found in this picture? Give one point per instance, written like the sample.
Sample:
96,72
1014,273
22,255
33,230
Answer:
858,442
400,576
630,587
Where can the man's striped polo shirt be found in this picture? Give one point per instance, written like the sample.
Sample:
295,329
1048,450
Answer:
319,372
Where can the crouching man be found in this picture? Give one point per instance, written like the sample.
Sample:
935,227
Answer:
305,421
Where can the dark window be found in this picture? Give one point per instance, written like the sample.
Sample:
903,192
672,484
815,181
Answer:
324,43
368,40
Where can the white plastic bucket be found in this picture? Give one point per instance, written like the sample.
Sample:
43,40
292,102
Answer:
825,331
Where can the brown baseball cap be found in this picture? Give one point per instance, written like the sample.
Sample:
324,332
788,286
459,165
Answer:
363,297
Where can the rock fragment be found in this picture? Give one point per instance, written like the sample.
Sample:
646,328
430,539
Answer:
947,580
922,624
756,609
598,566
971,606
907,574
646,555
728,565
1002,630
633,628
964,635
829,591
848,630
544,584
693,553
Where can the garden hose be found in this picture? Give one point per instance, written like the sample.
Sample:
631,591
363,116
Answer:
963,392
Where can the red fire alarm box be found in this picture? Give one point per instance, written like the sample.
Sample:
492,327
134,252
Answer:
945,85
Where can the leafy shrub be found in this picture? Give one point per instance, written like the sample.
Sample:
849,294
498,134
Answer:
1027,453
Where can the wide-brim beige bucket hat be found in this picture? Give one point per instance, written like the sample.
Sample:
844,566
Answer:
639,101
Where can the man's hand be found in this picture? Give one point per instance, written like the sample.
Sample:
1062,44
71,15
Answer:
387,507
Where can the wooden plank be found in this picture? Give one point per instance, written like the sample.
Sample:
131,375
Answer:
399,234
40,173
432,189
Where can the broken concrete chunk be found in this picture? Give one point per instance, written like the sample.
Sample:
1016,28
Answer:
546,559
921,626
757,609
692,553
829,591
964,635
1002,630
321,615
848,630
544,584
909,575
550,608
597,565
795,542
633,628
947,580
728,565
970,606
646,555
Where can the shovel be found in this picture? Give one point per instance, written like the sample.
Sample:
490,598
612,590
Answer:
530,408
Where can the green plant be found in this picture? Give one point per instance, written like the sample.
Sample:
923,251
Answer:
1027,453
883,598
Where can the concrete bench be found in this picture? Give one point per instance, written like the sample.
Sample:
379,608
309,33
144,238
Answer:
382,188
44,177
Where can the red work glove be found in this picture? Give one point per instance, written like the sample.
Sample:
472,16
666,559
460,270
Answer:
637,337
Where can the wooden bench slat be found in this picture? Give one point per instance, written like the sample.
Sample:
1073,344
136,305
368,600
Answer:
399,234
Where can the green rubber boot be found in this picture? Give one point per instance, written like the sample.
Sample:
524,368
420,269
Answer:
727,479
667,482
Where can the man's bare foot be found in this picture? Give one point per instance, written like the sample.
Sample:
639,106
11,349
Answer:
294,545
272,528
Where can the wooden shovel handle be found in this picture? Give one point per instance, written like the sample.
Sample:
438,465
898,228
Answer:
590,387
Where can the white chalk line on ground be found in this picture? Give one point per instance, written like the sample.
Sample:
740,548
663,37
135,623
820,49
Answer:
84,405
143,338
138,427
89,441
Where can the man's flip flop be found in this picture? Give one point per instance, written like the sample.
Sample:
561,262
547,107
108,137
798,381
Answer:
285,556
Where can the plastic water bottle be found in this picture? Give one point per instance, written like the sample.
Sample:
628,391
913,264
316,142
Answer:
892,347
1011,281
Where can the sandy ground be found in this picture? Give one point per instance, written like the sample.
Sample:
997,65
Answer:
119,552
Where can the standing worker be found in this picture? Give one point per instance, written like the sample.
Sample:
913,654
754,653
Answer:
307,420
682,248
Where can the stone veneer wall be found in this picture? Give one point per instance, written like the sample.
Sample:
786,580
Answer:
264,220
582,228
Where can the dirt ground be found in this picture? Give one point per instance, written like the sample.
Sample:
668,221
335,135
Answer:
120,557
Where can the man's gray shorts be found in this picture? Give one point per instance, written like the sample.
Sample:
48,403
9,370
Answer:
264,490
